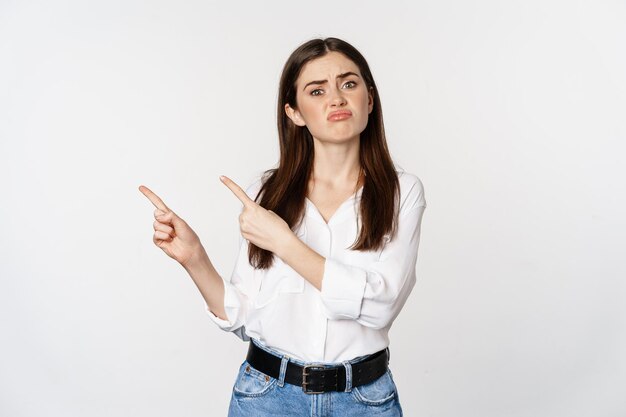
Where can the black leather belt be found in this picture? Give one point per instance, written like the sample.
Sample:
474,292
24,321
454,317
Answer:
315,379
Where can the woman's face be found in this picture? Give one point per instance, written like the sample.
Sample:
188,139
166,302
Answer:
329,84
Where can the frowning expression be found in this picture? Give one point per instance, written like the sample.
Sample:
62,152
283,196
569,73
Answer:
333,101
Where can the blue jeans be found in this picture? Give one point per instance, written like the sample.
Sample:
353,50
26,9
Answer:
259,395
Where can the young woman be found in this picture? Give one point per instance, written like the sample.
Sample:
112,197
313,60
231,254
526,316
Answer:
328,249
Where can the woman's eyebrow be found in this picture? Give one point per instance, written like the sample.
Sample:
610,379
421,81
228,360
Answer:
344,75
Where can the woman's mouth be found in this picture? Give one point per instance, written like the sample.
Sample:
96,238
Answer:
339,115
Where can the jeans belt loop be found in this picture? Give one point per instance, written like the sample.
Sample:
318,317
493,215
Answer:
348,367
283,370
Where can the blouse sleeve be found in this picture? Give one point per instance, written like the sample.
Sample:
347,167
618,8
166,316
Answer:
235,299
373,295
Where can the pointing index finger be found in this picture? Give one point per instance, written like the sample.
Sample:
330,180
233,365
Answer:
154,199
237,190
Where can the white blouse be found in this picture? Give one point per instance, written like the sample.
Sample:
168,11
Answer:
362,292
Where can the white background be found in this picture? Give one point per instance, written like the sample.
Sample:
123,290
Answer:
511,113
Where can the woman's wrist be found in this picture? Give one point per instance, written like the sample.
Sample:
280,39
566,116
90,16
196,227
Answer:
199,260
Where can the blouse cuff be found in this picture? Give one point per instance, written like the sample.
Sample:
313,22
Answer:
232,306
343,288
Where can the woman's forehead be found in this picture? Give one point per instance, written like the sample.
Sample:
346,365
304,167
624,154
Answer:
333,63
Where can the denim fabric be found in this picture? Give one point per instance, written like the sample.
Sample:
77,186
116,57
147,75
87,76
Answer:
259,395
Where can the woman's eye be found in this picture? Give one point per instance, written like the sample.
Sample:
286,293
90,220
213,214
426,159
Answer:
352,84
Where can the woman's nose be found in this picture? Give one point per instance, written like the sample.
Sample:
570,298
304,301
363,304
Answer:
336,96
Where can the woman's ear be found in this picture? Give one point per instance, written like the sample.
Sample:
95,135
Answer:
370,101
294,115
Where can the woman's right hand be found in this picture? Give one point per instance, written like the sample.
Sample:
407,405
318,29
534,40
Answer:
171,233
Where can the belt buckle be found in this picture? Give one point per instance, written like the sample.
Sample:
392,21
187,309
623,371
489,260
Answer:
304,381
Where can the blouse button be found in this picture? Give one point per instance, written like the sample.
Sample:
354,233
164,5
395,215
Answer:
267,378
248,368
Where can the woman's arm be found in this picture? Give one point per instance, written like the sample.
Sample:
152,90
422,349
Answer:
174,236
208,281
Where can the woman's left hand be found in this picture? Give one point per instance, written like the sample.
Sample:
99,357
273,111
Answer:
259,226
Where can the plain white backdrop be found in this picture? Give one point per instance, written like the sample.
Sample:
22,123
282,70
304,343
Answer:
511,113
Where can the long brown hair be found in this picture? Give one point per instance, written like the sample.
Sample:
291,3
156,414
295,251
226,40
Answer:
284,188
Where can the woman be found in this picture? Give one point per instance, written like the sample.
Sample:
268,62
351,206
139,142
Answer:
328,249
